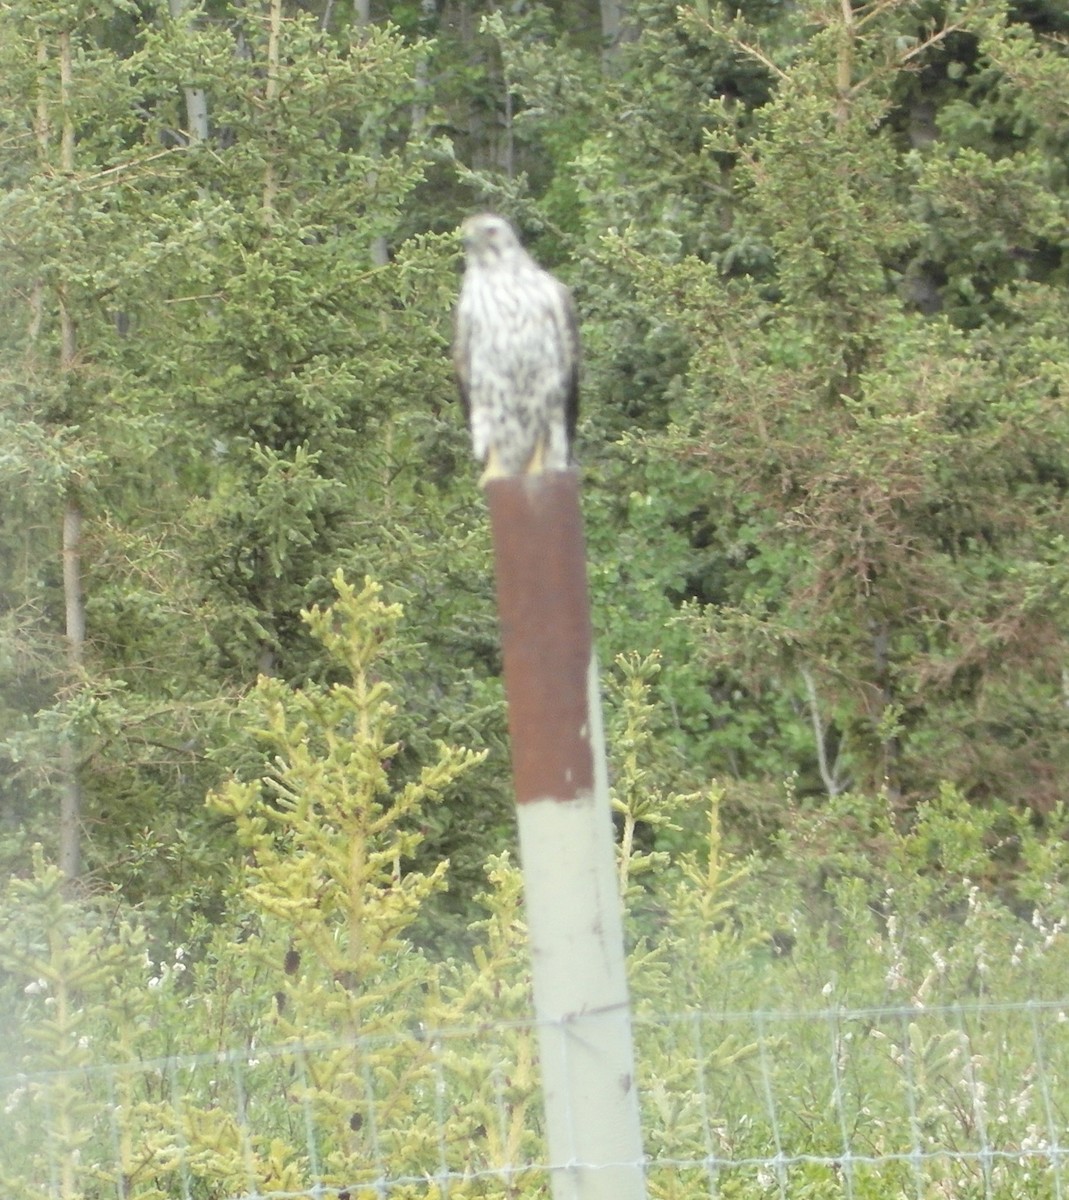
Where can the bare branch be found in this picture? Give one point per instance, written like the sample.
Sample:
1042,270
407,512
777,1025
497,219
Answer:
828,773
762,58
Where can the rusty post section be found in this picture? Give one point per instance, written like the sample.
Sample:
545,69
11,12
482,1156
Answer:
540,565
566,839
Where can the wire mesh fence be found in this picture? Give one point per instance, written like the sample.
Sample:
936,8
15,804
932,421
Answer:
942,1101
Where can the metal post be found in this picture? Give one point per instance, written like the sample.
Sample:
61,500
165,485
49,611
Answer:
566,839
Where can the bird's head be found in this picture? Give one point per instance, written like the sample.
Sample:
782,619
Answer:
488,239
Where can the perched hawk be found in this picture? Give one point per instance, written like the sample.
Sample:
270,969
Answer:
516,353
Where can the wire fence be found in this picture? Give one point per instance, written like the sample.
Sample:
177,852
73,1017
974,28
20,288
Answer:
948,1101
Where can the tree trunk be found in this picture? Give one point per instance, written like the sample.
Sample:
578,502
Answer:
70,809
614,27
195,97
274,38
70,816
380,248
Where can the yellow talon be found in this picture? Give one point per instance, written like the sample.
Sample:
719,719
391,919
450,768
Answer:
493,468
537,463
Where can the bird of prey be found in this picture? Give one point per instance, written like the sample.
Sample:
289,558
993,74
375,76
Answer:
516,353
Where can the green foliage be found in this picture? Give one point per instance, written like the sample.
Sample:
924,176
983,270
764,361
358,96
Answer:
77,997
313,951
879,486
255,403
328,838
635,794
820,255
317,1046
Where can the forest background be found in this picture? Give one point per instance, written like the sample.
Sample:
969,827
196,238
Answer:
819,251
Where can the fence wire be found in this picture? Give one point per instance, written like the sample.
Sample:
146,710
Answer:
953,1101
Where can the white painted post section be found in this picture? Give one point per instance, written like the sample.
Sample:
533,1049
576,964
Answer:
566,840
580,989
